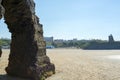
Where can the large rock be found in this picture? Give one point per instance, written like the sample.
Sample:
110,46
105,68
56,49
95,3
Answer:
2,10
0,52
28,52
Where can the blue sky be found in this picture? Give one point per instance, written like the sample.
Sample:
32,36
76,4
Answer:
81,19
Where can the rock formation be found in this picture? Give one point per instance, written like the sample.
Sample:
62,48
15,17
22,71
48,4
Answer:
0,51
28,52
2,10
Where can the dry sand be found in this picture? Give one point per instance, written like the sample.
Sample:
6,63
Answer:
76,64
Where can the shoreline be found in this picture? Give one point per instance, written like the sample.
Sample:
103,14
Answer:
76,64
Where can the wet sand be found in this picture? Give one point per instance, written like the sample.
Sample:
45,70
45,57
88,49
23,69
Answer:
76,64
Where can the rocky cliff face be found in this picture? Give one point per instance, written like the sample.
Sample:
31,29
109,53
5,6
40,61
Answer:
28,52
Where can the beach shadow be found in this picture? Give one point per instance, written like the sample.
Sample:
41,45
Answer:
6,77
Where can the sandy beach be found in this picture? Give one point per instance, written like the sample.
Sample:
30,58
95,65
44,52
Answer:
76,64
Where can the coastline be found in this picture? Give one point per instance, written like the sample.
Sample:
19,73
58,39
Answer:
76,64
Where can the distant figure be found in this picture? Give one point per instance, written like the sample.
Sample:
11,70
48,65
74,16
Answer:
111,39
0,52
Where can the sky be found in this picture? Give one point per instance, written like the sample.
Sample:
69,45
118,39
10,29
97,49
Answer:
81,19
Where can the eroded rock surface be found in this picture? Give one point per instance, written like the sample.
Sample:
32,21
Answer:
28,52
2,10
0,51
